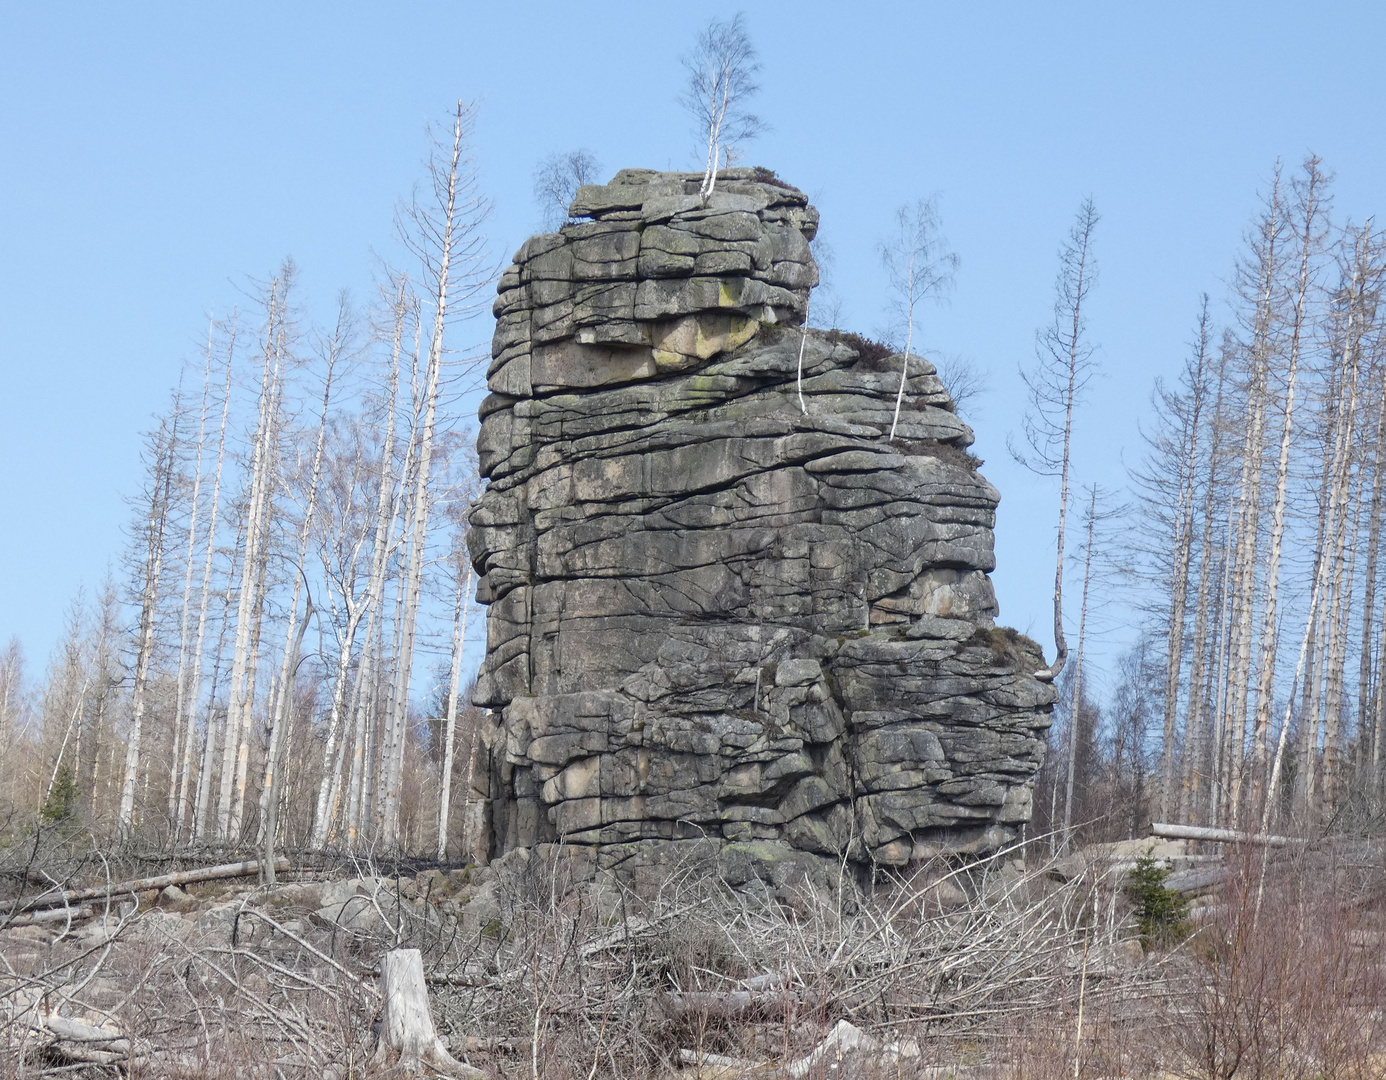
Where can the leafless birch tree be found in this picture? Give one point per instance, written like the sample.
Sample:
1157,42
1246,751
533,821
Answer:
721,79
919,267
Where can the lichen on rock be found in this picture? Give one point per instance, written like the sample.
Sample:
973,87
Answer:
711,615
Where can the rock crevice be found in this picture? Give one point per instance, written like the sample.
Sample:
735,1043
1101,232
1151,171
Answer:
714,614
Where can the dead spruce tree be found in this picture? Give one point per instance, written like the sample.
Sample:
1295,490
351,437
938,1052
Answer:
163,447
443,231
190,693
1307,212
1055,382
1167,484
331,351
276,346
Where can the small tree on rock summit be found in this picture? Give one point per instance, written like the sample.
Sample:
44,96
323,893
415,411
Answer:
721,77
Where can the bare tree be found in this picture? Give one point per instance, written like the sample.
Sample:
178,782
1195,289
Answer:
1098,567
190,693
13,697
1169,485
254,560
445,235
331,351
556,182
966,383
163,446
1063,365
721,78
459,647
919,267
1308,236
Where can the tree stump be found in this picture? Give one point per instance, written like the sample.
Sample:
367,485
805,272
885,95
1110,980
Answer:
406,1028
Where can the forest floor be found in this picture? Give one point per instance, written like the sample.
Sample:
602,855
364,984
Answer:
1143,959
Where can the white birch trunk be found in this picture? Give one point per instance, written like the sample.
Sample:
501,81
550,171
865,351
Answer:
459,645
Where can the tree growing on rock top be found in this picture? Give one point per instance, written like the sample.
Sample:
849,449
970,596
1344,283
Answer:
557,180
721,78
919,266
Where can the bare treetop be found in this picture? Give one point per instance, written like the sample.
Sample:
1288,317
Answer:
721,77
556,182
919,266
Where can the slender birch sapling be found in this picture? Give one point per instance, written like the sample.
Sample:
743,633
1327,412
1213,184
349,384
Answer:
721,78
919,267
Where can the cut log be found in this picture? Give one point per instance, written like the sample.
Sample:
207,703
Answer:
717,1061
406,1028
1196,880
1219,836
183,877
727,1004
86,911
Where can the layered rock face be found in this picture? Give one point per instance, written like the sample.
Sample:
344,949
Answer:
722,603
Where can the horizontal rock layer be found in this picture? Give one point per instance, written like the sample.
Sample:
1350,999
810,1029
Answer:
722,603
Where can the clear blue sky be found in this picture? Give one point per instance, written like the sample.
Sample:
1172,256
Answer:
153,155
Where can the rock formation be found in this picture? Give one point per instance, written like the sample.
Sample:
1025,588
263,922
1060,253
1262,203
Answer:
722,604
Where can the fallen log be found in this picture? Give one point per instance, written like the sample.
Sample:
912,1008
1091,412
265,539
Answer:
1219,836
844,1039
728,1004
86,911
183,877
1194,881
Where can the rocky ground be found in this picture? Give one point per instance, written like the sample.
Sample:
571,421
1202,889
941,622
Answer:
534,968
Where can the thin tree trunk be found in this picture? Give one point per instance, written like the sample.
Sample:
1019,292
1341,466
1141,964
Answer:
459,645
241,698
375,590
1183,554
273,767
153,571
1269,613
1194,721
294,635
393,768
1366,699
1076,708
180,810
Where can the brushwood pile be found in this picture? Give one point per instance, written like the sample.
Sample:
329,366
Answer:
724,607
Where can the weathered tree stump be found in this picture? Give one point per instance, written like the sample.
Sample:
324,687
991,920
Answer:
406,1028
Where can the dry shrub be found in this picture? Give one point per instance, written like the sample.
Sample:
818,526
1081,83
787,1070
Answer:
553,972
1285,979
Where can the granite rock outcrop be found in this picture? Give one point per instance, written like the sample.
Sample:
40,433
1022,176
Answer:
722,604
